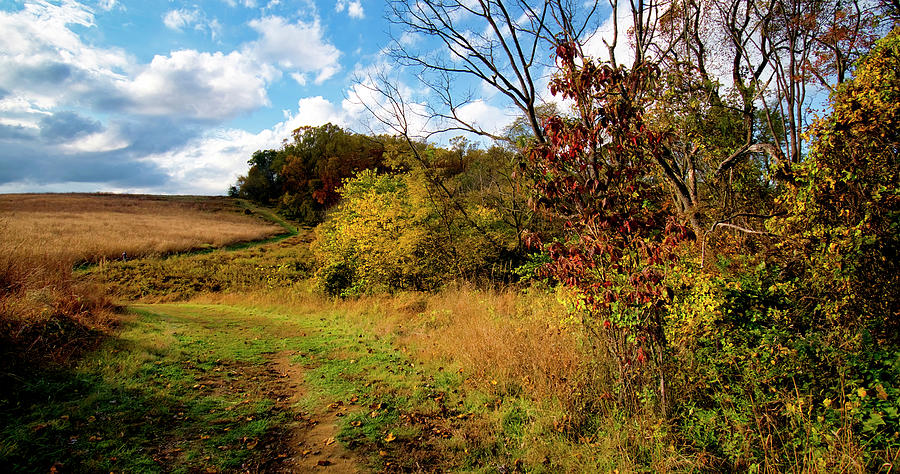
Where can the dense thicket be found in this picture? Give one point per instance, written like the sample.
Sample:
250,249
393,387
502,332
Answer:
770,349
735,273
441,214
405,215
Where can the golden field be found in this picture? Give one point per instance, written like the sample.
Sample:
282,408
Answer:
93,227
46,311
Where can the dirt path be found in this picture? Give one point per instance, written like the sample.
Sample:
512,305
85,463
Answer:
312,438
214,388
255,357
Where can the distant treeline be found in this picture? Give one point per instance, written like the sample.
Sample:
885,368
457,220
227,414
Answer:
302,178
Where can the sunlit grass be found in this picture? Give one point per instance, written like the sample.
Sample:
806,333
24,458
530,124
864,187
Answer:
93,227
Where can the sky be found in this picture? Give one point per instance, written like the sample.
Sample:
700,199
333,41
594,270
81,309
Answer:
173,97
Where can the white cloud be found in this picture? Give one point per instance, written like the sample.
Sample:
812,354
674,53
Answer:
178,19
355,10
43,63
485,116
245,3
188,83
107,140
209,164
596,44
317,111
196,19
110,4
363,100
299,78
150,114
212,162
295,46
215,28
40,31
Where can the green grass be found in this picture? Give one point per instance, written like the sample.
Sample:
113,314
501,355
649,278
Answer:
180,388
189,387
270,215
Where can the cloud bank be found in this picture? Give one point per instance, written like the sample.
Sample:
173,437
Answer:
79,115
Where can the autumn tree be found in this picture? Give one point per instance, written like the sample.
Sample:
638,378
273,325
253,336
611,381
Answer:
302,178
619,232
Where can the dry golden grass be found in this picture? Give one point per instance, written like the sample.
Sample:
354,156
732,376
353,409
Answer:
46,313
505,336
504,340
92,227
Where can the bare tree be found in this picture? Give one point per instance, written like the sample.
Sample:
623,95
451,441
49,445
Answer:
765,62
394,110
504,44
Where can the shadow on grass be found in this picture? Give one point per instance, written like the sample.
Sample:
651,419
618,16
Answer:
167,415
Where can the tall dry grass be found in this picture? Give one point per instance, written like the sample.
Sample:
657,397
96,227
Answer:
501,338
48,313
45,313
92,227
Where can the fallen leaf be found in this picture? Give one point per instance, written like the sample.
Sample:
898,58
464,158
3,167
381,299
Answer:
390,437
329,441
252,444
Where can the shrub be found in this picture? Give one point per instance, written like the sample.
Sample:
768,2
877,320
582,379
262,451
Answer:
380,239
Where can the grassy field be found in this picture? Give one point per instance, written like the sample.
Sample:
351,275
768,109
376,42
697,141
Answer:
93,227
226,361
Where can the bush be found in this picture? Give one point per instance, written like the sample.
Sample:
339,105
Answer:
379,239
389,234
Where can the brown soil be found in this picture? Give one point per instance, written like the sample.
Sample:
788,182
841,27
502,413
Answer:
311,438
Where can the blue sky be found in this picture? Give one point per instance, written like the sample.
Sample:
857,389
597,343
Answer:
174,96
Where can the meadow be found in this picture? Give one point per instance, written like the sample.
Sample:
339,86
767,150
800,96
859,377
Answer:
94,227
225,360
230,360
